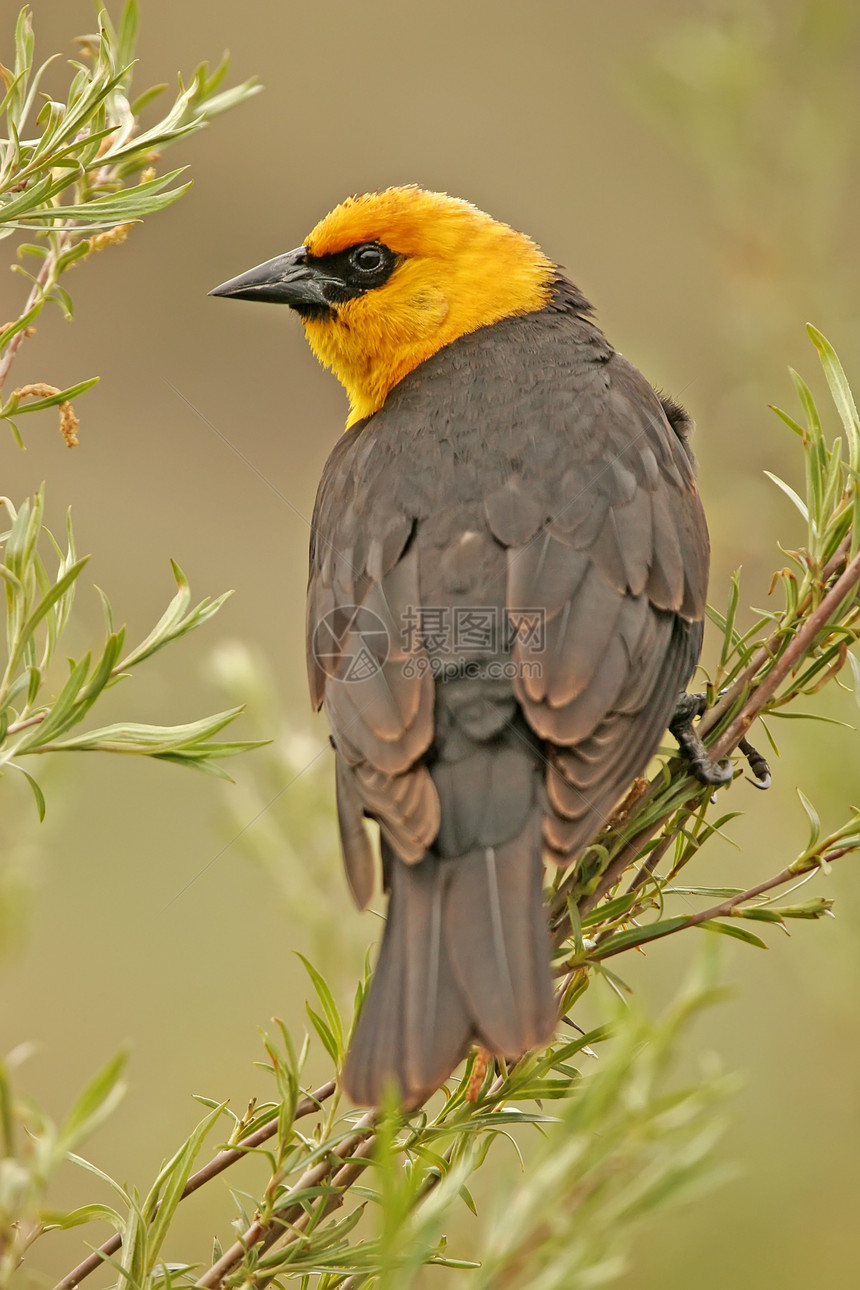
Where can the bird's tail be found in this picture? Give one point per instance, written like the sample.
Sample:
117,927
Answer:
464,958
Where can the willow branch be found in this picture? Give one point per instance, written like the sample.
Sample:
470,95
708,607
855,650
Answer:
758,699
340,1185
655,855
223,1160
727,907
768,651
265,1233
794,652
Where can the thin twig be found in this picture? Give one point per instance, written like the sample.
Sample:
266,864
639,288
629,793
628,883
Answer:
655,855
17,726
768,651
726,907
759,697
340,1185
794,652
223,1160
260,1232
49,264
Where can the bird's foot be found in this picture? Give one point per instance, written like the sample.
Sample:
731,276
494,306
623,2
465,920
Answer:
702,765
757,763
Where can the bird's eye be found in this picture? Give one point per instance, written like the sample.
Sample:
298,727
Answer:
367,258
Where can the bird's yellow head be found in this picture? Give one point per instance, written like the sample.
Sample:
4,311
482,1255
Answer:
387,279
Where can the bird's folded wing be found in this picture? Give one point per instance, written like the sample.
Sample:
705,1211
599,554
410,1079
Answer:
613,552
362,592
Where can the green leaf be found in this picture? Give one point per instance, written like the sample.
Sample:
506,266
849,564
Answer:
789,421
127,206
167,1191
175,621
59,589
101,675
203,758
732,929
814,820
790,494
807,403
127,36
7,1113
20,324
146,98
325,1034
618,941
61,715
730,636
840,391
467,1198
854,665
610,910
759,914
782,715
58,1220
818,907
37,792
100,1174
67,305
131,737
77,251
51,400
713,893
99,1099
330,1008
34,685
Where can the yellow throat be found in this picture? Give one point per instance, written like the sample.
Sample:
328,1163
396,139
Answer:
457,269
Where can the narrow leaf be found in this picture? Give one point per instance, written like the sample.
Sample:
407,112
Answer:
733,929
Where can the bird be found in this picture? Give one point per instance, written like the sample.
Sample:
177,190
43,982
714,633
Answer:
508,569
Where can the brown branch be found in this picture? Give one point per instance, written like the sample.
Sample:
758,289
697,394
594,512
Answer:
654,857
630,850
266,1233
340,1185
223,1160
801,644
758,699
768,651
726,907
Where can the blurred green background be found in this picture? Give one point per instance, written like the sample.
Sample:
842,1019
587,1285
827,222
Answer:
695,168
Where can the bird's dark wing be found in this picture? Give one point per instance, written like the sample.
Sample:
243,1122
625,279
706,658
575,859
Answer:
619,568
363,585
576,471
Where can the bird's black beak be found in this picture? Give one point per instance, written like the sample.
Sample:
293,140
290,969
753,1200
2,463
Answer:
289,279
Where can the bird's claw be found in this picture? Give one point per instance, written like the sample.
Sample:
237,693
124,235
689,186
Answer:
702,765
758,764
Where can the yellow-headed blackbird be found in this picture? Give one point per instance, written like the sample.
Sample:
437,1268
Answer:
508,569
